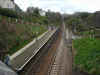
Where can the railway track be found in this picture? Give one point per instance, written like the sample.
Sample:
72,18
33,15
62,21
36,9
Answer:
33,65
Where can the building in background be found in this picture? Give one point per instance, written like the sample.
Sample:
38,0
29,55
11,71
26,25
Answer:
7,4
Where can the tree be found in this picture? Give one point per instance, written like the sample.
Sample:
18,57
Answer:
54,18
33,11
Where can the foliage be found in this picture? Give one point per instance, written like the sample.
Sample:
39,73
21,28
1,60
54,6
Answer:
25,36
76,24
83,15
54,18
87,55
8,12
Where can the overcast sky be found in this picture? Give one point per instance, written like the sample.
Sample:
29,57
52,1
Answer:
63,6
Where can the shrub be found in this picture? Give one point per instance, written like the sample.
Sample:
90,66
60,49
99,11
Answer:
8,12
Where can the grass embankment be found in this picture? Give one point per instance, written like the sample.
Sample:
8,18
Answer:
87,56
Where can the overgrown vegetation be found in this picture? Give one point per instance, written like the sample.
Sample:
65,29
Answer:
87,55
83,21
26,36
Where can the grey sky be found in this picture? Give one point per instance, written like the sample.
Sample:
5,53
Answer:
64,6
